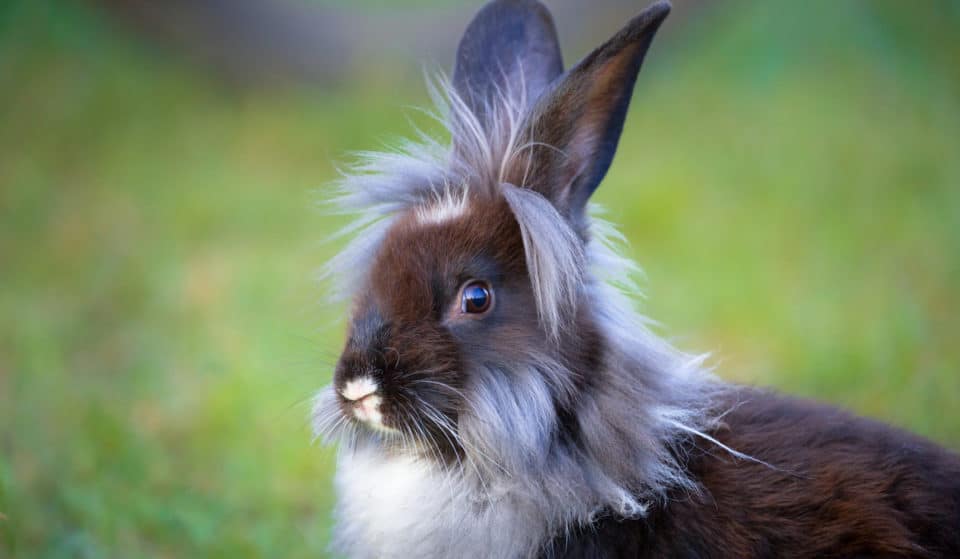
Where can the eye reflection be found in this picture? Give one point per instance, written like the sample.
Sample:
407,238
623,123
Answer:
476,297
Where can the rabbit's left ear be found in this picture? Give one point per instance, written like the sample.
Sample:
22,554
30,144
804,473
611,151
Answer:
572,131
509,52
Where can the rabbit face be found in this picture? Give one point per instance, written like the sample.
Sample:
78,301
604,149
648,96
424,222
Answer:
448,290
473,311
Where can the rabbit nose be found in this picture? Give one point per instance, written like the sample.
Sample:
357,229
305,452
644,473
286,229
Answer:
359,388
362,394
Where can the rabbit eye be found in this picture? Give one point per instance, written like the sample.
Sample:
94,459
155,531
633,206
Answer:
476,297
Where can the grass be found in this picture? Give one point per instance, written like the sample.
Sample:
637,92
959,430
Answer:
788,180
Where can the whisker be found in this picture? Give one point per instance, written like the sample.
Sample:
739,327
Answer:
443,422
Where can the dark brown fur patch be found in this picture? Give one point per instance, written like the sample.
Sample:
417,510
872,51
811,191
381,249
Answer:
837,486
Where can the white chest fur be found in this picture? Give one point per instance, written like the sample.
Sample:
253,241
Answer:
403,507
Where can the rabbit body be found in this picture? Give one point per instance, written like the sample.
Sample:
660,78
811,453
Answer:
834,485
498,396
843,487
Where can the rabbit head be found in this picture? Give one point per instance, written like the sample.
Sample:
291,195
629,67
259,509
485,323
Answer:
484,338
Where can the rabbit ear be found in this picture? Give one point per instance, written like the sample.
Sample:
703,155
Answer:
510,49
574,128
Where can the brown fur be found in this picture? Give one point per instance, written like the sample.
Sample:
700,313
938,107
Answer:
836,486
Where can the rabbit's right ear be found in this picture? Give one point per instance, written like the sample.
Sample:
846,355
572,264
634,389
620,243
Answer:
571,132
509,52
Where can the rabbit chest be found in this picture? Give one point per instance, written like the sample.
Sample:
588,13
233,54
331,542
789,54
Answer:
405,507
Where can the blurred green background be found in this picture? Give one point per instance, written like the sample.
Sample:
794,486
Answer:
789,178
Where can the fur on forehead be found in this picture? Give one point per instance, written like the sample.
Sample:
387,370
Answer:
437,182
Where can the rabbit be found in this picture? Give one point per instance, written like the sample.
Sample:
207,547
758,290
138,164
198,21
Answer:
498,395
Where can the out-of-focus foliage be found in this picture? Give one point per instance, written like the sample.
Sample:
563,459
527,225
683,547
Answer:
789,178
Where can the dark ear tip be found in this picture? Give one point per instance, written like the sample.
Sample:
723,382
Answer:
518,10
662,5
517,7
645,24
656,12
529,4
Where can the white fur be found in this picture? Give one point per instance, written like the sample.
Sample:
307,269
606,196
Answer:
358,388
446,206
400,507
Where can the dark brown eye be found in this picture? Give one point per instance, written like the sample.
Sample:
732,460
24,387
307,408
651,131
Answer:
476,297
